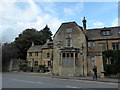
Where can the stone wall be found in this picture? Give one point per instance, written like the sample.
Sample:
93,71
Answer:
78,41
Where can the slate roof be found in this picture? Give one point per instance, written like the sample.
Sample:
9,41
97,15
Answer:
95,34
48,45
35,48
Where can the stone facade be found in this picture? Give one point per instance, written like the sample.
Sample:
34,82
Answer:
70,51
100,40
40,55
76,50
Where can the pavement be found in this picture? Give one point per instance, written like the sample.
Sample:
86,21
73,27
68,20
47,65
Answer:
48,74
90,79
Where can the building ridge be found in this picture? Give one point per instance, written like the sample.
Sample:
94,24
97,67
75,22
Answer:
103,28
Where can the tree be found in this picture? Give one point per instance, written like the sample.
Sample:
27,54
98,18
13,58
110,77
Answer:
24,40
8,52
47,34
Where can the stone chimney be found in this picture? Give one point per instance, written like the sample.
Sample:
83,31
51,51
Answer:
32,43
84,23
48,40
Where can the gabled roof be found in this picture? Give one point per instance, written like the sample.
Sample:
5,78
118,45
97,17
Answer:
48,45
67,23
35,48
95,34
38,48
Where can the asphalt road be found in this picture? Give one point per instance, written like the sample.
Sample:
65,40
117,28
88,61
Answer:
22,80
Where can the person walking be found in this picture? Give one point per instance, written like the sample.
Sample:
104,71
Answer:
95,72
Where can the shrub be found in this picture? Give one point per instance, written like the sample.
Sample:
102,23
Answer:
114,67
22,66
117,76
41,66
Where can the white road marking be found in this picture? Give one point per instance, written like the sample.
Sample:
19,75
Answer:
72,87
27,81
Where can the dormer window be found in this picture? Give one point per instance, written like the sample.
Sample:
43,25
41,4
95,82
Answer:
119,32
105,33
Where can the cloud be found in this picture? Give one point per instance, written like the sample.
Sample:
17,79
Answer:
41,22
114,22
98,24
16,18
73,9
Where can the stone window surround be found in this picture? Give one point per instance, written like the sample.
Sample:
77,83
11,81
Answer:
35,63
92,60
68,42
91,44
36,53
47,54
69,57
30,53
115,45
102,45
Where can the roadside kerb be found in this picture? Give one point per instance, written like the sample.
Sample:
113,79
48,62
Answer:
75,78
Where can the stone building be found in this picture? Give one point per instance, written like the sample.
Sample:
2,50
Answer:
70,51
47,54
40,55
77,50
99,40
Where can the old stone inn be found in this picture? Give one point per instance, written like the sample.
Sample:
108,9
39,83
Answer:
75,50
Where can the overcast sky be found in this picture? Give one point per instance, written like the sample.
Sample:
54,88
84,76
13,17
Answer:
17,16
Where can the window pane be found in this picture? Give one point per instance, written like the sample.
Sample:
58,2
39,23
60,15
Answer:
76,61
63,55
92,59
102,46
49,63
48,54
36,63
89,44
76,54
67,54
69,42
103,32
36,53
107,32
115,46
71,54
93,44
67,61
30,54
